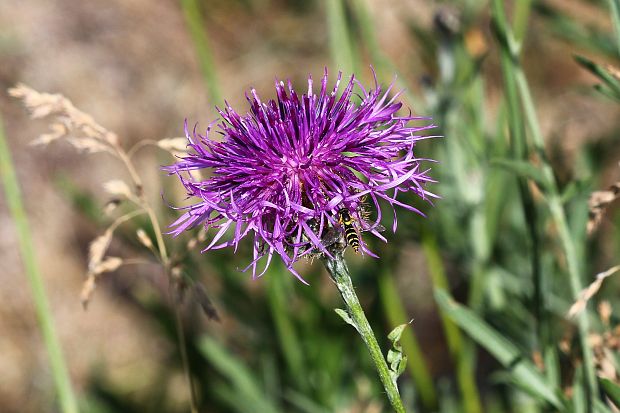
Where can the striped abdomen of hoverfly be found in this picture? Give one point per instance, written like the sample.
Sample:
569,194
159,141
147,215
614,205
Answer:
350,232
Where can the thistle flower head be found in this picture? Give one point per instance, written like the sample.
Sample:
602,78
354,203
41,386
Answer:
285,171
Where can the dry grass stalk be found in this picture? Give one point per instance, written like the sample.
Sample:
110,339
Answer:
613,70
587,293
69,122
173,145
80,130
144,238
598,203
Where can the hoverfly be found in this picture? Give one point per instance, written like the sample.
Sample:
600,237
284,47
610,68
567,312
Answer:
351,228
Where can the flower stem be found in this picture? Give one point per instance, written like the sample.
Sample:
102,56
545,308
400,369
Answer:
339,272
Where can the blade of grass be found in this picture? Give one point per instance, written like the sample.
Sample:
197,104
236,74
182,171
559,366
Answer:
465,372
340,45
612,390
610,81
522,369
241,378
395,313
384,67
520,153
291,348
614,6
196,26
521,16
553,196
60,373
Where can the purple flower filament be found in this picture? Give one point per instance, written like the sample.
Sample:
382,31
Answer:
284,170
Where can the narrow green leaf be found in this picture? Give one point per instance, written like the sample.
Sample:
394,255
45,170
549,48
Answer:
607,92
242,379
599,71
523,370
614,5
277,283
340,45
345,316
612,390
601,407
304,403
395,358
579,399
465,371
60,374
196,24
522,169
395,334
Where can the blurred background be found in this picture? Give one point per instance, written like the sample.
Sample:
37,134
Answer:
527,139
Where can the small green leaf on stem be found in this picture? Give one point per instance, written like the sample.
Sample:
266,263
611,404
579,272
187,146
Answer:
395,358
612,390
607,74
345,316
523,169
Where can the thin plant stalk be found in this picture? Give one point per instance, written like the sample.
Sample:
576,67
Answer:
339,272
178,321
125,157
68,403
384,67
521,17
614,6
340,45
195,23
519,149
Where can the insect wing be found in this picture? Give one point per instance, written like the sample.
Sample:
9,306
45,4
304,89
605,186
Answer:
332,236
367,226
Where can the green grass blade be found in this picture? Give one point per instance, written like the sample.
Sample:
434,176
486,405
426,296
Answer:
553,196
395,313
386,70
340,45
522,169
599,71
612,390
522,11
276,289
465,372
614,6
369,37
521,369
46,323
196,26
241,378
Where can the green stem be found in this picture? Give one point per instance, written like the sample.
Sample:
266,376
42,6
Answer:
195,23
183,350
340,45
339,272
46,323
614,6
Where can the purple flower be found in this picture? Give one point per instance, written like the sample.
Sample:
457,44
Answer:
285,172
